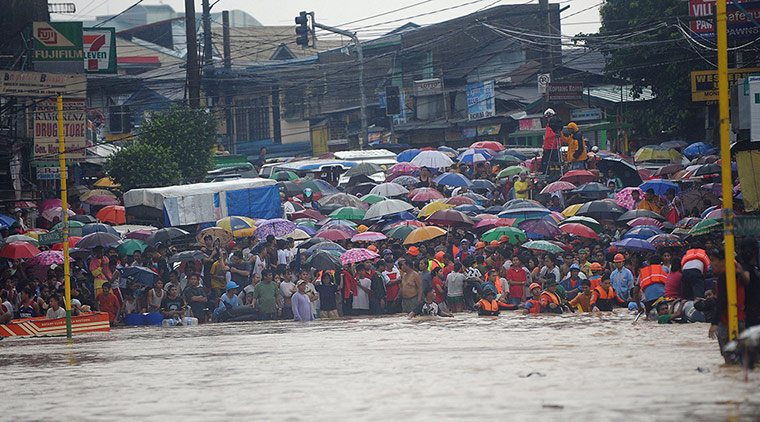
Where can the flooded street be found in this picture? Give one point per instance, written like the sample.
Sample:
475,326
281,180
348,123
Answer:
571,367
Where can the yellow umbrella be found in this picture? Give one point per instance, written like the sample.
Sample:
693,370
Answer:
424,234
238,226
434,206
106,182
571,210
654,154
96,192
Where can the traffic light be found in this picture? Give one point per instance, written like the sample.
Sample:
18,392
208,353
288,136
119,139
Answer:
392,101
302,30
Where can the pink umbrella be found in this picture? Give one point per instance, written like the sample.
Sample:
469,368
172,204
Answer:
486,223
51,213
101,200
138,234
624,199
355,255
48,258
579,230
558,186
368,237
333,234
459,200
403,168
49,203
557,216
487,217
425,195
716,214
645,221
645,174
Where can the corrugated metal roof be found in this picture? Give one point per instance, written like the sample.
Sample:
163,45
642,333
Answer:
616,94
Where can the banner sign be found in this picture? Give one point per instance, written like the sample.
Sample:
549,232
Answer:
586,114
480,100
74,129
704,83
99,50
41,84
428,87
739,26
572,91
57,41
48,173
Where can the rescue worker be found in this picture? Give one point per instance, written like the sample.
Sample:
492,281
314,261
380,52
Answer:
436,262
550,299
551,140
604,298
652,281
596,275
488,305
533,305
693,266
577,153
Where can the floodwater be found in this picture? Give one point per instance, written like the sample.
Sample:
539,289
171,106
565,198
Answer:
517,367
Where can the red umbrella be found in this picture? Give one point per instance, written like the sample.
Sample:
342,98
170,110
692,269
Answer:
49,203
414,223
334,234
308,213
19,250
72,243
141,234
557,186
578,177
492,145
112,214
460,200
579,230
645,174
425,195
450,218
645,221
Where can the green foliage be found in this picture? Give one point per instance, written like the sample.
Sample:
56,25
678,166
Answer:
143,165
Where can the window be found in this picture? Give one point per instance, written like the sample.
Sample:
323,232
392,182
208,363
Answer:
252,120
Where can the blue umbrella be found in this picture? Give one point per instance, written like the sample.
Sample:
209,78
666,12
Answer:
699,148
635,244
308,230
447,149
483,184
407,155
6,221
475,156
642,232
140,275
98,228
453,179
470,209
659,186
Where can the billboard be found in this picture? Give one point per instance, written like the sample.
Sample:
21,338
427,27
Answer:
704,83
739,26
46,129
57,41
570,91
480,100
99,46
41,84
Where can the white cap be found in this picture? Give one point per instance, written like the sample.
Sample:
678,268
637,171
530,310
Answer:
549,112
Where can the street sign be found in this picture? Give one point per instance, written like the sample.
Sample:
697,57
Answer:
543,80
568,91
48,173
704,83
50,238
57,41
46,129
739,26
586,114
99,50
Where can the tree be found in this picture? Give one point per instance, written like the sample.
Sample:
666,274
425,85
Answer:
143,165
188,136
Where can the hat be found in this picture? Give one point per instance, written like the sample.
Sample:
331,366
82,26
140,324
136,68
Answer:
372,248
307,192
596,266
439,255
494,243
463,241
387,252
533,286
549,112
619,258
300,282
15,210
575,267
231,285
573,126
362,228
413,251
582,250
480,245
503,238
550,282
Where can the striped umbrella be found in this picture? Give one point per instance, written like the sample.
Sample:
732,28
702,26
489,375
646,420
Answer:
238,226
475,156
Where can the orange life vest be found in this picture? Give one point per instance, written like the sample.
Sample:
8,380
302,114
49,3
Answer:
595,280
550,297
536,308
497,284
601,293
699,254
488,308
652,274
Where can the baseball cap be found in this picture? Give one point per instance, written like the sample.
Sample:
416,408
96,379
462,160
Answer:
582,250
300,282
413,251
231,285
463,241
575,267
619,258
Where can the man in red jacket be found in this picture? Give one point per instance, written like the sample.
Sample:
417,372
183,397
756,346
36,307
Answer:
551,140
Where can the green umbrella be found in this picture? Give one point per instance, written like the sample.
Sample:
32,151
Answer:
284,176
373,199
542,246
706,226
347,213
586,221
505,159
511,171
72,225
131,245
400,232
309,224
515,235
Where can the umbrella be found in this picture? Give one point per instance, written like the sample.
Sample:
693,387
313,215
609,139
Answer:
601,210
450,218
339,224
48,258
592,188
368,237
453,179
669,169
165,235
307,230
355,255
627,172
140,275
364,168
432,159
78,190
387,207
715,214
571,210
459,200
106,182
511,171
540,228
83,218
407,155
406,180
334,234
699,148
706,226
124,229
630,215
51,213
471,209
35,233
344,200
586,221
238,226
434,206
140,234
6,221
400,232
389,189
557,186
21,238
348,213
659,186
688,222
72,243
444,148
101,200
542,246
480,199
223,235
372,199
716,188
698,198
98,228
324,261
96,192
423,234
276,227
184,256
113,214
505,158
642,232
94,240
283,176
657,153
475,156
645,221
130,246
19,250
289,188
634,244
483,185
49,203
308,213
667,241
707,170
491,145
578,177
72,225
515,235
403,168
412,223
675,144
301,234
624,198
321,244
579,229
425,195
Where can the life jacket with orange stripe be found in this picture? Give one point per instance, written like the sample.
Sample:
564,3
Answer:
496,283
604,298
699,254
487,308
434,263
548,297
536,308
652,274
595,280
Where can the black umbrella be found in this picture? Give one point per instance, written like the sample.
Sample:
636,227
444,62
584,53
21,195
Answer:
325,261
327,209
630,215
361,188
483,185
495,209
289,188
140,275
98,228
593,188
698,198
164,235
96,239
708,169
358,179
601,210
187,256
363,168
311,242
626,171
84,218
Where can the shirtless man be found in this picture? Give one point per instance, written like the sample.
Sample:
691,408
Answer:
411,288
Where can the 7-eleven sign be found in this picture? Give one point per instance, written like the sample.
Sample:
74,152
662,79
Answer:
99,45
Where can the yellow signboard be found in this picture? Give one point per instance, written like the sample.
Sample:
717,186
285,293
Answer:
704,83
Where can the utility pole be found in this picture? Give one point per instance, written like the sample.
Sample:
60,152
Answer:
227,66
193,72
226,39
207,51
545,26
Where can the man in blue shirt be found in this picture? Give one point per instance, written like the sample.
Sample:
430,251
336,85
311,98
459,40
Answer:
572,284
622,278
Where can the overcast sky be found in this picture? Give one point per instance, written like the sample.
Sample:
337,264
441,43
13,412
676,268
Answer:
582,16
